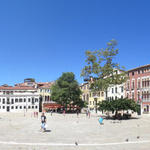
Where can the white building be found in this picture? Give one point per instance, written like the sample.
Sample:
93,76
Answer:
19,99
116,91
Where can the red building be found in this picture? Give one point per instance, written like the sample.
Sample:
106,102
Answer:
138,86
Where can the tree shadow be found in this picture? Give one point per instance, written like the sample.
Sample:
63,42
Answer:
47,131
119,117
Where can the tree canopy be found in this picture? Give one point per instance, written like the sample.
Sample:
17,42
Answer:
102,68
66,91
119,105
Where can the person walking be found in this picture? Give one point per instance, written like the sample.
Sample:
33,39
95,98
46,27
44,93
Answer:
86,113
89,113
43,122
77,112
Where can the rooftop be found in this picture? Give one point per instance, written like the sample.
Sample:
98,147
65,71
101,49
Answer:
140,67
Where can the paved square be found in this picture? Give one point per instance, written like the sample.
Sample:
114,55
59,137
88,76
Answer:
23,133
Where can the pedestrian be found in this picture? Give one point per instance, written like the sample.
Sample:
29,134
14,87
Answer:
64,112
89,113
51,112
37,114
43,122
101,120
77,112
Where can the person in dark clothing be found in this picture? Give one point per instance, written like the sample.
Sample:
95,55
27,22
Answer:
43,122
77,112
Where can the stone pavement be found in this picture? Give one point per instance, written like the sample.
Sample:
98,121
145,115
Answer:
71,133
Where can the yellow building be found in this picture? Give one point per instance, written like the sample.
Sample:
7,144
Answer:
92,98
44,90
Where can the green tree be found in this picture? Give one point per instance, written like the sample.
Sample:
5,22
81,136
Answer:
119,105
102,68
66,91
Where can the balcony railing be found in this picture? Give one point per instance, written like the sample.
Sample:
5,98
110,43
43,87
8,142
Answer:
146,100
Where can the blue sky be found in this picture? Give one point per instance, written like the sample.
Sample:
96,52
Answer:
43,38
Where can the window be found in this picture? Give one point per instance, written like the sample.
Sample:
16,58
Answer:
112,90
133,95
3,101
138,71
28,107
102,94
7,92
32,100
24,107
122,89
8,102
3,92
36,107
16,107
20,107
24,100
133,73
115,97
98,94
0,107
28,99
138,95
3,107
20,100
36,100
12,107
132,84
93,102
139,84
116,89
121,97
32,107
16,100
0,100
12,101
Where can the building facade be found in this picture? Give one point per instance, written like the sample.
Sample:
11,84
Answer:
92,98
138,86
19,99
116,91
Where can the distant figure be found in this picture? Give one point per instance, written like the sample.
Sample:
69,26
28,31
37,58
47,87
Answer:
37,114
51,112
77,112
64,112
43,122
89,113
101,120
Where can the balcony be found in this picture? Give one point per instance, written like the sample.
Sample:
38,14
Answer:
146,100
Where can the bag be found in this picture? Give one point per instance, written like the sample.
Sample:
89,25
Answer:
46,125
